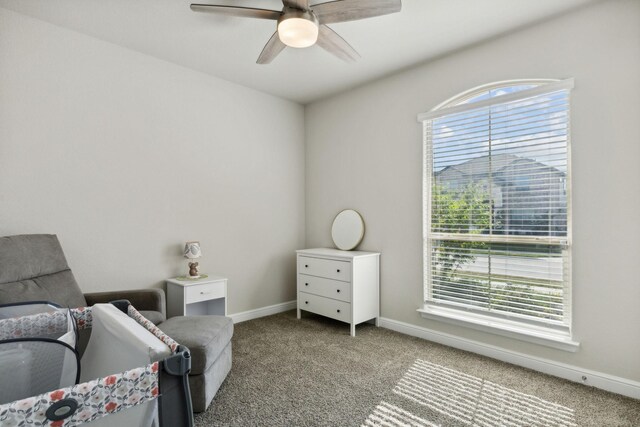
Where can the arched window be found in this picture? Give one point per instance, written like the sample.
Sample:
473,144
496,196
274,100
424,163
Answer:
496,209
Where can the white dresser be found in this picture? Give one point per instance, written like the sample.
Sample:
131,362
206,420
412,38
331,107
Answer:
343,285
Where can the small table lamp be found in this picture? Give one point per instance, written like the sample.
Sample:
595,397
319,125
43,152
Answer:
192,251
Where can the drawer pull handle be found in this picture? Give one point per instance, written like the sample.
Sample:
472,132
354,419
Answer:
338,290
306,302
204,293
306,284
338,311
306,266
338,270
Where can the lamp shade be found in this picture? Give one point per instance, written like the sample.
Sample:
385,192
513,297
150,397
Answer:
298,31
192,250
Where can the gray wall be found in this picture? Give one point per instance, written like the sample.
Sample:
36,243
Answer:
364,151
125,157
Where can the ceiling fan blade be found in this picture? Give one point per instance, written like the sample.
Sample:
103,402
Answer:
351,10
296,4
331,41
242,12
273,47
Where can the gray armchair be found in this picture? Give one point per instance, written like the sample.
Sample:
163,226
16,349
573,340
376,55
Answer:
33,268
150,302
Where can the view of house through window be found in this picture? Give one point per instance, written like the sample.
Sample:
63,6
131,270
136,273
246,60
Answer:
496,203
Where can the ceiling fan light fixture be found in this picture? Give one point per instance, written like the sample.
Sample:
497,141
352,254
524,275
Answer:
298,29
299,23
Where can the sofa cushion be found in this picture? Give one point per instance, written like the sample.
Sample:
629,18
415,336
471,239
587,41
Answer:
34,268
205,386
30,255
58,288
205,336
154,316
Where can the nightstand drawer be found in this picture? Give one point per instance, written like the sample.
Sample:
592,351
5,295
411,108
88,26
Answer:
324,287
338,310
203,292
331,269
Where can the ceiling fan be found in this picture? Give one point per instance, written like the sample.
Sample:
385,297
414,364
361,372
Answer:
301,25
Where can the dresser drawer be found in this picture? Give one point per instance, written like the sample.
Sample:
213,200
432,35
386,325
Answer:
203,292
324,287
331,269
338,310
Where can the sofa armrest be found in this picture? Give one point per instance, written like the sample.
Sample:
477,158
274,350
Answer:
141,299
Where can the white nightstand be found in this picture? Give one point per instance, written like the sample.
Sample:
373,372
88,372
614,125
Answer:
197,297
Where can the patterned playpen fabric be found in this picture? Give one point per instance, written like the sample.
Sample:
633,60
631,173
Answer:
95,399
89,400
35,325
135,314
83,317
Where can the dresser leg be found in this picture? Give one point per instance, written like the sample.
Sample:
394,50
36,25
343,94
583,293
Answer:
377,322
353,330
298,313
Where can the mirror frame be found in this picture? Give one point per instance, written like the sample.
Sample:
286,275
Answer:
350,248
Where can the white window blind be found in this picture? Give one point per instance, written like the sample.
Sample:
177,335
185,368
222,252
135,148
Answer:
496,203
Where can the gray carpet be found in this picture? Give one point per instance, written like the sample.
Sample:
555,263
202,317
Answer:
310,372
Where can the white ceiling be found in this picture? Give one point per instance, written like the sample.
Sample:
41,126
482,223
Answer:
228,47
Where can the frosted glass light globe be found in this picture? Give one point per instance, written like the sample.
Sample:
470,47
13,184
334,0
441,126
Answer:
298,32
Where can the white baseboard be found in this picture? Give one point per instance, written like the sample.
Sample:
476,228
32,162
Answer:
596,379
263,311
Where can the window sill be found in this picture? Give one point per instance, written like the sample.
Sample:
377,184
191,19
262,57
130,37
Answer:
548,337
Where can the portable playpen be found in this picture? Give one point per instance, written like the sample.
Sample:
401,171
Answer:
130,373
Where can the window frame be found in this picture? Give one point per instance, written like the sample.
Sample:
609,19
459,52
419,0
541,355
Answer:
544,333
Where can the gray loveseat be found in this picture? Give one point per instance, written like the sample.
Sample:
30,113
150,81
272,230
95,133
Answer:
33,268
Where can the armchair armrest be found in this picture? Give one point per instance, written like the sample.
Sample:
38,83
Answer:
142,299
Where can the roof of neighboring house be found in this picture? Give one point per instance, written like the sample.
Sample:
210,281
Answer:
479,166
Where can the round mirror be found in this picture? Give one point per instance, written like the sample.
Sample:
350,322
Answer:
347,230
